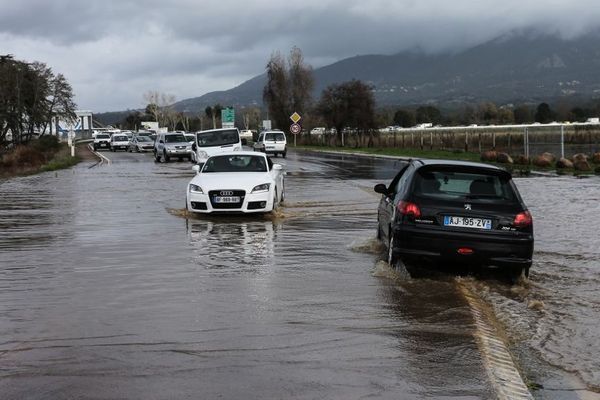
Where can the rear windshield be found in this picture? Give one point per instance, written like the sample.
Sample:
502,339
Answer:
246,163
143,139
217,138
278,136
121,138
103,136
174,139
463,185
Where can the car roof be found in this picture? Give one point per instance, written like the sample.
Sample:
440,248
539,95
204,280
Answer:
218,129
457,163
239,153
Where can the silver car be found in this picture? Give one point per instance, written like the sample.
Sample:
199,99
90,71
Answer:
169,145
140,144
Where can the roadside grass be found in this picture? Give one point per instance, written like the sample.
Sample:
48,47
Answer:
37,156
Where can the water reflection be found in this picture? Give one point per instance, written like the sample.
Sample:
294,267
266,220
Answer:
233,245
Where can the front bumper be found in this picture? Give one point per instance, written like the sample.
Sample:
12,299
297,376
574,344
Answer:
488,248
252,203
178,152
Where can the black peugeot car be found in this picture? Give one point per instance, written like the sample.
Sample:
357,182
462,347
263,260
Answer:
455,212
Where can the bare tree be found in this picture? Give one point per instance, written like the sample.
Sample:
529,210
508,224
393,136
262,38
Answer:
160,105
289,87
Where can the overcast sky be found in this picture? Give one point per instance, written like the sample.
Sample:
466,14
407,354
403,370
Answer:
113,52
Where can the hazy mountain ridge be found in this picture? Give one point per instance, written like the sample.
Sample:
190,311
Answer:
514,68
511,68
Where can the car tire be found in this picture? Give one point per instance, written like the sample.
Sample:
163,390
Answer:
95,148
284,154
519,275
156,157
166,157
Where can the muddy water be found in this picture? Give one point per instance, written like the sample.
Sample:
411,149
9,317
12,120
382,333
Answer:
555,319
107,290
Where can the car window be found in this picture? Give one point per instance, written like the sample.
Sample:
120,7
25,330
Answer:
143,139
217,138
102,136
235,163
174,139
278,136
461,185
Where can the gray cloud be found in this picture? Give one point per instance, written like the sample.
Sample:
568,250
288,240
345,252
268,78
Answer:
114,51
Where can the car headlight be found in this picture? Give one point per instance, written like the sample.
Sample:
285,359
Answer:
202,154
261,188
195,189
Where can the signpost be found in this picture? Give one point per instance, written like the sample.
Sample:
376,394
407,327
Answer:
228,117
295,128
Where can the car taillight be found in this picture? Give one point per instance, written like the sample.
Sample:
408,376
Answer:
523,220
409,209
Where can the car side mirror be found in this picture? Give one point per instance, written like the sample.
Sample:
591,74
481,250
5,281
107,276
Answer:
196,169
381,188
277,167
194,146
160,141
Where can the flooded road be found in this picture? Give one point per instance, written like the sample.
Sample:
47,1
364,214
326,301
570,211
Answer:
108,291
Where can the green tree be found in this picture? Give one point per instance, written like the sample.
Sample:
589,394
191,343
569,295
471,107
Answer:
288,88
523,114
544,114
428,114
348,105
405,118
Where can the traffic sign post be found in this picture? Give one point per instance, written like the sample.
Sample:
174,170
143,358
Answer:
295,129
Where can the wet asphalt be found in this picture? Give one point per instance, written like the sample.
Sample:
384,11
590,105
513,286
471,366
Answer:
108,290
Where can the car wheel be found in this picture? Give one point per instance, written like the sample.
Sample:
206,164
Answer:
95,148
137,149
166,157
519,274
275,201
284,154
156,157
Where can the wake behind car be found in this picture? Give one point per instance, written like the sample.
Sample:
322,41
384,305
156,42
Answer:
169,145
236,182
455,212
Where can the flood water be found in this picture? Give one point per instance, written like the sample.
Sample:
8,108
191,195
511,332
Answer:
107,290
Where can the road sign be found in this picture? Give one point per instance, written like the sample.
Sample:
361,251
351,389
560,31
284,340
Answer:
295,129
227,117
295,117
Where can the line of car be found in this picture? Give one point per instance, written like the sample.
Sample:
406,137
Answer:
433,211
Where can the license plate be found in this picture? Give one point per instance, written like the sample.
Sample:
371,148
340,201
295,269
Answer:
227,199
468,222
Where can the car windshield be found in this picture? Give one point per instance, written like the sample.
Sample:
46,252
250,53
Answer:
174,138
143,139
460,185
121,138
235,163
277,136
103,136
217,138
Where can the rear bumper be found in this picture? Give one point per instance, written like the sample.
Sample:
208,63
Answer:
501,250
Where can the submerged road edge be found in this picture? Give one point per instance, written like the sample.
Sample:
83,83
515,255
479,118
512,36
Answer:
502,371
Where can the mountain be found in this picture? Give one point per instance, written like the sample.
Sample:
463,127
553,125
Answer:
515,68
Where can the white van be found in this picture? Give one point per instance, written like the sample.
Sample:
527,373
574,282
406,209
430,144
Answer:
215,141
272,142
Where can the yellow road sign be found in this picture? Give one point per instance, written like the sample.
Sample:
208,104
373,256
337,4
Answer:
295,117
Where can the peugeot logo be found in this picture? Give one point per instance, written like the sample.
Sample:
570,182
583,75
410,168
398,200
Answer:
226,193
467,206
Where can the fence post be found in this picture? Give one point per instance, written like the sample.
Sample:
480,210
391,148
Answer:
562,141
430,140
526,142
493,140
421,134
466,141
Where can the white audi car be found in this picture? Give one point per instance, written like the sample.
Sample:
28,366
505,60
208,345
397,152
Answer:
236,182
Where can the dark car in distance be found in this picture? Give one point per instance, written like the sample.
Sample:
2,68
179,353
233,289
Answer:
440,211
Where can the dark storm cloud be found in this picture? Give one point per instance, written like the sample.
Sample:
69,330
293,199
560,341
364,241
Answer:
189,47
